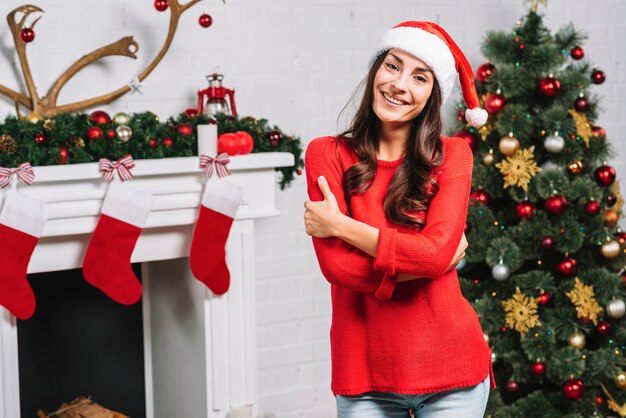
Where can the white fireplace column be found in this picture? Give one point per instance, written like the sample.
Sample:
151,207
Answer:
200,349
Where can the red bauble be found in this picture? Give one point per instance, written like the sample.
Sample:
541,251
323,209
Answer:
577,53
275,137
603,328
611,200
574,389
470,138
152,143
167,142
495,103
111,133
543,299
621,236
184,129
555,204
567,267
99,117
581,104
94,133
512,386
592,208
205,20
547,242
598,132
597,77
485,71
549,87
605,175
246,142
299,172
40,139
63,156
599,400
191,112
161,5
525,209
237,143
480,196
539,368
27,35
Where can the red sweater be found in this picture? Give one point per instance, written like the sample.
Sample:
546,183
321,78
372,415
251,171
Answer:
412,337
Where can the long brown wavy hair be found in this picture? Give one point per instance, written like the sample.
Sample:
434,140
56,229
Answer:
413,184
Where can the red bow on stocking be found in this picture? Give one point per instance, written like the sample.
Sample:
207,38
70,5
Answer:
24,172
218,164
123,166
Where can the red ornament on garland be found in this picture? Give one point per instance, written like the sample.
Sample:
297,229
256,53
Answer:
191,112
480,196
605,175
494,103
581,104
574,389
592,208
470,138
152,143
275,137
27,35
555,204
99,117
184,129
94,133
167,142
485,71
549,86
205,20
161,5
512,386
40,139
539,368
567,267
543,299
63,156
547,242
597,77
577,53
525,209
603,328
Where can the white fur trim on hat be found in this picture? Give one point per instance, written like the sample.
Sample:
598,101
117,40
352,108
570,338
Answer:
425,46
476,117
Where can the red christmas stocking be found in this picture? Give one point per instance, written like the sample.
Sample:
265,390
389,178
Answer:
21,224
107,262
207,257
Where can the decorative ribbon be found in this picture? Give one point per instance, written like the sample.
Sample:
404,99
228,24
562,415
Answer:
24,172
218,164
123,166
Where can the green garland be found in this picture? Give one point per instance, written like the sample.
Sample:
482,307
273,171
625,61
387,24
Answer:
68,134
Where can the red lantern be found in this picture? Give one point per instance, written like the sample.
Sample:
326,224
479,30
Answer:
539,368
184,129
525,209
161,5
574,389
581,104
485,71
94,133
549,87
598,77
592,208
480,196
577,53
567,267
605,175
555,204
494,103
99,117
603,328
468,137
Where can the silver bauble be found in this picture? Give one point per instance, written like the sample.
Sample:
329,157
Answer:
549,166
610,249
124,133
554,144
616,309
501,272
121,118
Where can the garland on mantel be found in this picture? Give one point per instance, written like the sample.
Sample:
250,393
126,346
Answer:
72,139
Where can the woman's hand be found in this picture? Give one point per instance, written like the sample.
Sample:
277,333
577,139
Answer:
320,217
460,253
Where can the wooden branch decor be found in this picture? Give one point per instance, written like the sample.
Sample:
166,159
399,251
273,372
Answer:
45,107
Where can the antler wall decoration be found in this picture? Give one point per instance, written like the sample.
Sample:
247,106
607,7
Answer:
44,107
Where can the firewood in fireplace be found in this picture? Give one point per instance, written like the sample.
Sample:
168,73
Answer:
81,407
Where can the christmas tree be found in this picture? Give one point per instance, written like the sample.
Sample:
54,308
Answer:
544,269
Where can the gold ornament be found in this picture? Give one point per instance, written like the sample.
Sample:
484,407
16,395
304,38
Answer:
488,158
577,341
485,131
584,300
8,145
49,124
124,133
76,142
620,380
575,168
121,118
615,190
521,312
34,117
535,3
583,127
610,218
519,169
610,249
508,145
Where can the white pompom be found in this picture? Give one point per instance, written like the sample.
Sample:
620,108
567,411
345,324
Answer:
476,117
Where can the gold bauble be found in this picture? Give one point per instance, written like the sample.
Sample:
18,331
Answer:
620,380
124,133
488,159
610,249
610,218
575,168
34,117
577,341
508,145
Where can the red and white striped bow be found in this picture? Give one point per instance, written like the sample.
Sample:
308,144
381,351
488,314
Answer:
218,164
24,172
123,166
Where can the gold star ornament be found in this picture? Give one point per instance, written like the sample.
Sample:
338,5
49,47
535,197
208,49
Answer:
583,127
519,169
521,312
584,300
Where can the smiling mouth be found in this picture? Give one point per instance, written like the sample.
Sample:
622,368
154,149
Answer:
392,100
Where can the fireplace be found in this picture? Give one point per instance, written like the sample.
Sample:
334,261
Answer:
199,350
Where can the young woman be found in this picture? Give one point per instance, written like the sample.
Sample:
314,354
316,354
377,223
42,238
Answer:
387,212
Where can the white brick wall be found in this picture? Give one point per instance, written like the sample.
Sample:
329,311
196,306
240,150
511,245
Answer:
296,63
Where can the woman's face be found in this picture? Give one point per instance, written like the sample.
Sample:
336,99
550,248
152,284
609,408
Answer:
402,86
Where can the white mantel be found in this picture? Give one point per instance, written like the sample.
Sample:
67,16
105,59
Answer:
218,353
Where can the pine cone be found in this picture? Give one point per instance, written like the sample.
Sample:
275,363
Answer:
76,142
8,145
49,124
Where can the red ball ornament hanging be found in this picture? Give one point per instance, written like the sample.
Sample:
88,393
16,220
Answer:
547,242
99,117
111,133
480,196
275,137
574,389
577,53
525,209
598,132
539,368
494,103
94,133
599,400
598,77
621,236
299,172
512,386
555,204
161,5
184,129
485,71
611,200
191,112
27,35
543,299
40,139
567,267
605,175
581,104
603,328
549,86
470,138
167,142
152,143
592,208
205,20
63,156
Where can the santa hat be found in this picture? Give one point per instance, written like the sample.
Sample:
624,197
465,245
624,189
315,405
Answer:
430,43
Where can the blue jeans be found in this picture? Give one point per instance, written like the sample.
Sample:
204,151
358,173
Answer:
465,402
